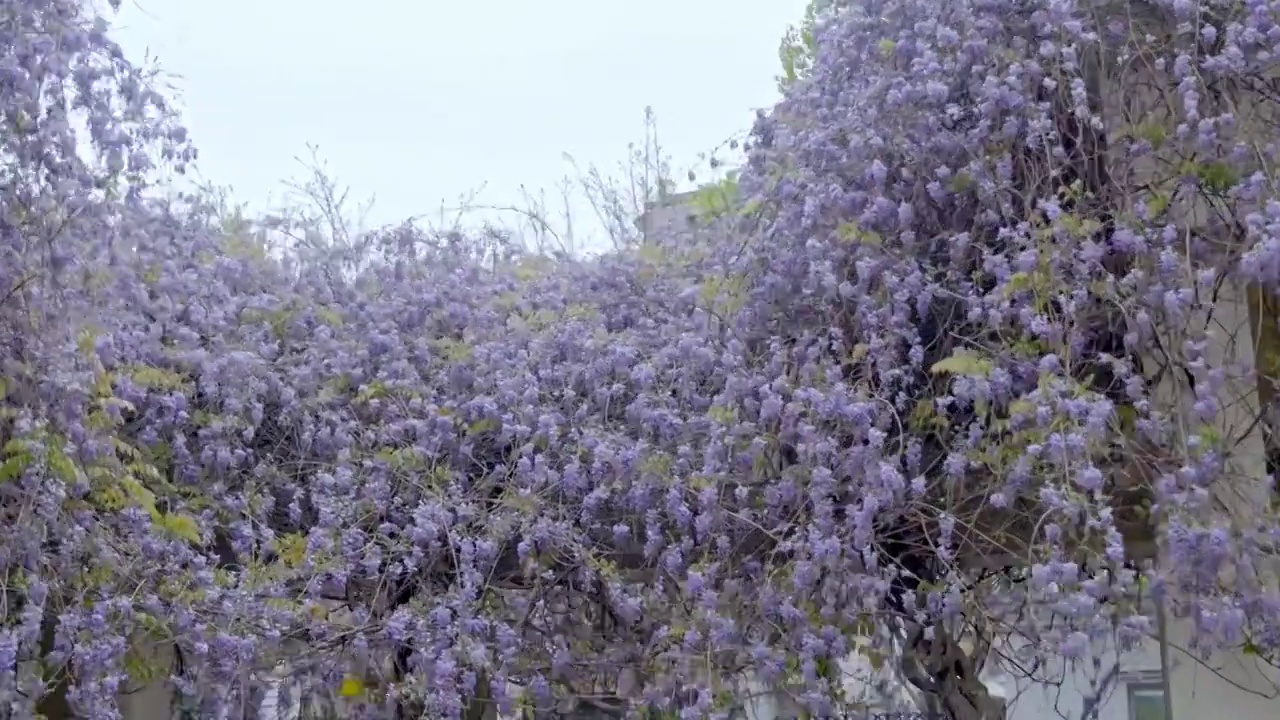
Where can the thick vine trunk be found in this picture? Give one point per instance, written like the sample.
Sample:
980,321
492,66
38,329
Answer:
54,705
949,677
481,705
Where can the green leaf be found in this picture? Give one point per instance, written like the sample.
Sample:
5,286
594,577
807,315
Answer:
329,317
1017,282
652,253
1153,133
798,47
1214,177
142,665
61,465
751,207
452,351
351,686
182,526
138,494
292,549
725,293
532,268
722,415
715,199
961,182
375,390
962,363
1021,407
1158,204
13,468
849,232
85,341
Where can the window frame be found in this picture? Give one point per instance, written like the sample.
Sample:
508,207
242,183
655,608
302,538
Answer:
1142,686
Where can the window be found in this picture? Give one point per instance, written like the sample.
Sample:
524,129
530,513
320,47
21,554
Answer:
1146,701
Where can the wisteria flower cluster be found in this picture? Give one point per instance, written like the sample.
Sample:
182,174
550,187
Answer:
954,367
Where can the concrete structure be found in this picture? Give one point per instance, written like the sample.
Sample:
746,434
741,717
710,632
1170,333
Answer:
1234,686
674,217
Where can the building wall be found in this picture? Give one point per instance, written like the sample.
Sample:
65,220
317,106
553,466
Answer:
1230,686
672,219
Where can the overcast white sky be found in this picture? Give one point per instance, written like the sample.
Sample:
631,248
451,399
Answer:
418,102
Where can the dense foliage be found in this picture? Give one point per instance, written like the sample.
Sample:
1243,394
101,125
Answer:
1036,225
915,382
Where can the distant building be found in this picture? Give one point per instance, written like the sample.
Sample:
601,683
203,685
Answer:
669,218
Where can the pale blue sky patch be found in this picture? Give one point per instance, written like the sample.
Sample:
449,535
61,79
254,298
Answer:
420,102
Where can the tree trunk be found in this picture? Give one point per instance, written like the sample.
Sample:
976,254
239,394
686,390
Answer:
53,705
481,705
949,677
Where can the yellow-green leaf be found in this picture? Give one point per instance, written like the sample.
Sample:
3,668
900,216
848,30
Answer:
849,232
62,466
1021,407
651,253
1017,282
155,378
1216,177
182,526
532,268
139,495
125,449
375,390
351,687
85,341
961,182
1158,204
453,351
962,363
292,548
714,199
12,468
141,666
722,414
1152,133
329,317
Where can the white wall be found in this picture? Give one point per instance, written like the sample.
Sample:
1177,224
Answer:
1230,687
